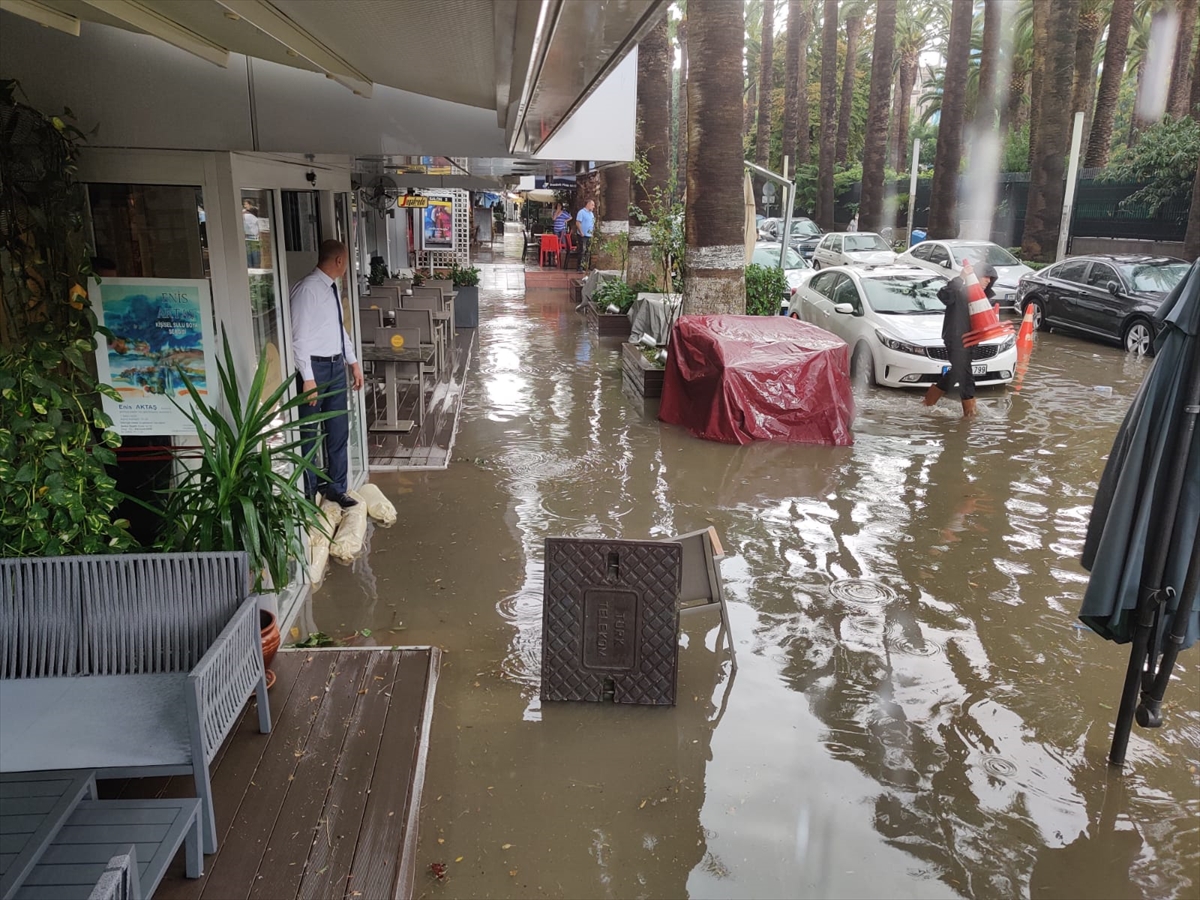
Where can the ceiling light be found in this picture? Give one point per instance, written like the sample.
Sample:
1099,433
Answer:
232,16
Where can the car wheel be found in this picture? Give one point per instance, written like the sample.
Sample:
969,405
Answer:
1138,338
862,367
1039,314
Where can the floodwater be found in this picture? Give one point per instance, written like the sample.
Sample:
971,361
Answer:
917,711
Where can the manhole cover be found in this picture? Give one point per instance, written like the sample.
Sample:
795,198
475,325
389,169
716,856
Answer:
610,620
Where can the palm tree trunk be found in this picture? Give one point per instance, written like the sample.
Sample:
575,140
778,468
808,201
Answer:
681,146
1041,12
716,254
989,56
1194,97
766,71
870,211
1083,97
828,116
943,201
1191,238
791,80
613,214
653,147
909,64
1181,73
1011,118
1046,187
750,105
1115,49
803,116
853,30
1136,122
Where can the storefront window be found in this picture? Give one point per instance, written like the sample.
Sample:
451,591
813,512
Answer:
257,209
150,230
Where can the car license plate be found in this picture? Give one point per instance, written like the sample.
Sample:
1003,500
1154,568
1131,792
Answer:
979,370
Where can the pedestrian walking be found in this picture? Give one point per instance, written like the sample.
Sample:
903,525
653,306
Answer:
323,351
955,324
585,221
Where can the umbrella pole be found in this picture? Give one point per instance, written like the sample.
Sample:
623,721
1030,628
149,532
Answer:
1149,711
1151,593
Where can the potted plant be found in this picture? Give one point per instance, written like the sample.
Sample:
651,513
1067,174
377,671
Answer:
242,487
466,301
608,313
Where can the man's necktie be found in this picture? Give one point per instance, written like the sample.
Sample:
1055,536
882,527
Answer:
337,306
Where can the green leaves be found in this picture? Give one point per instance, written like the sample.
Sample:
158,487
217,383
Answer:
766,287
242,487
1165,159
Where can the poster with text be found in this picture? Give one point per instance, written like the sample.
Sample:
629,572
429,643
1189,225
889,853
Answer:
162,330
438,232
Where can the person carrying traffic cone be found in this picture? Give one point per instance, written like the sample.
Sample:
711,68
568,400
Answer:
956,295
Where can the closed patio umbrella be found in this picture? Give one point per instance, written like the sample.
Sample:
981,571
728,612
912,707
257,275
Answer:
751,225
1141,545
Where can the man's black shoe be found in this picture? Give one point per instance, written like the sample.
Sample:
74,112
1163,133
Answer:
345,501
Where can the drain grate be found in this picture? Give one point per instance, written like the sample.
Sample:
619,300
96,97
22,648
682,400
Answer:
610,621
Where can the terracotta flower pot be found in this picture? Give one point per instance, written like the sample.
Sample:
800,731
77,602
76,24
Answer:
270,641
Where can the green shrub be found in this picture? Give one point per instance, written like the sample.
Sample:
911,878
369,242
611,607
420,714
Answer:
464,276
615,292
766,287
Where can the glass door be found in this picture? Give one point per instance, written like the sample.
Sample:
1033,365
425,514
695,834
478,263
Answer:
347,290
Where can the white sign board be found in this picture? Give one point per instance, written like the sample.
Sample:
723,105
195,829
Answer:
162,329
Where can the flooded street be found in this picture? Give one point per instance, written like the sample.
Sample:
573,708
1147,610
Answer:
917,711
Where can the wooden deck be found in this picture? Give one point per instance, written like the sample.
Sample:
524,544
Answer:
326,805
430,444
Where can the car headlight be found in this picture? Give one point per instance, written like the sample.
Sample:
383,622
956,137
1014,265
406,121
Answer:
899,346
1007,344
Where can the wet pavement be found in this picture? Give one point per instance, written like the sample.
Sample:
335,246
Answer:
917,712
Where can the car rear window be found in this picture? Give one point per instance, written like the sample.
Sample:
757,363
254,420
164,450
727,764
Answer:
905,295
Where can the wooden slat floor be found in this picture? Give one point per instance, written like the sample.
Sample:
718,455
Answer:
428,445
326,805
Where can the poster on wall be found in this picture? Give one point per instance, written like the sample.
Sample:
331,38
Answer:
162,328
438,230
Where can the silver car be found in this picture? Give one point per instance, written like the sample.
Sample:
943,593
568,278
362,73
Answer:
853,248
945,258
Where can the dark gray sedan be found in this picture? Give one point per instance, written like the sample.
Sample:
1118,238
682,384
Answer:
1112,298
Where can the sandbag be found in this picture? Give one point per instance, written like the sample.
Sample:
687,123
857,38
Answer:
333,515
348,541
379,507
318,560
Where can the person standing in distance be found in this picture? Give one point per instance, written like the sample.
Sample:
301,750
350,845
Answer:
323,350
586,220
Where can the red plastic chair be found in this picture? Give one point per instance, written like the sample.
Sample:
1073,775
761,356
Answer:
549,250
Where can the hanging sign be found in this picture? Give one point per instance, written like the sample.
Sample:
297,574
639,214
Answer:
162,329
414,201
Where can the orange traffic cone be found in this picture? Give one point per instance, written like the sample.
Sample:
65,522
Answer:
1024,348
985,322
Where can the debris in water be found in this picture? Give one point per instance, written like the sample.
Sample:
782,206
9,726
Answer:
439,870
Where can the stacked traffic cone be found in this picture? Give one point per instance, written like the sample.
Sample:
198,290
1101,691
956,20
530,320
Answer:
1024,347
985,321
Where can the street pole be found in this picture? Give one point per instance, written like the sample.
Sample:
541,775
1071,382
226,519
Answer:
1064,226
912,190
786,237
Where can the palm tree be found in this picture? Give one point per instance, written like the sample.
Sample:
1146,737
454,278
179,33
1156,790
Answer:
1041,15
681,105
715,256
1115,48
762,138
943,200
915,21
828,116
796,34
1083,97
1020,65
854,19
989,58
752,51
803,116
1181,73
653,144
1191,238
1194,97
870,211
1046,186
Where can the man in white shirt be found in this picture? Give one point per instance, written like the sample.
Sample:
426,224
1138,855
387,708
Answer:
322,350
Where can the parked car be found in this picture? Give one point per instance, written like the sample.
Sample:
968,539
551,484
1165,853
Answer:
795,268
805,234
853,248
1113,298
947,256
892,319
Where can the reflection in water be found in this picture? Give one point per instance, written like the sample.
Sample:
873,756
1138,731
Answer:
916,711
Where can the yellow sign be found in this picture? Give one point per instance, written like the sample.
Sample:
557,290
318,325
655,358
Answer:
412,202
411,170
397,342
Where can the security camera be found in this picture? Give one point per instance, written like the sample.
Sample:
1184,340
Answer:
311,177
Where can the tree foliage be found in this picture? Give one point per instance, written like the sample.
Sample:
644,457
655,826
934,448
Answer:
1165,158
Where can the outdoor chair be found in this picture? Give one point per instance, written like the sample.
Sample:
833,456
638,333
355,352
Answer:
412,338
441,328
571,247
133,665
421,321
368,321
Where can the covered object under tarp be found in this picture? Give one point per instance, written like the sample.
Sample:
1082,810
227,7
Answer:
739,379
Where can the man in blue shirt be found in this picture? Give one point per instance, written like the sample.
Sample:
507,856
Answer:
586,220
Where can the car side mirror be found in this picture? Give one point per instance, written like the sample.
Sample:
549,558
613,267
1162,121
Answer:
1114,288
945,263
846,309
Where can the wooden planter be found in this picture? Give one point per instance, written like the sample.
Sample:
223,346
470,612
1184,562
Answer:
639,376
607,324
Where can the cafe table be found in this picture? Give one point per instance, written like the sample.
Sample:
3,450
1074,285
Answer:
405,361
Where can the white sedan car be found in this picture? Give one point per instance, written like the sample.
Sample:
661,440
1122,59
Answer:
892,319
946,257
852,248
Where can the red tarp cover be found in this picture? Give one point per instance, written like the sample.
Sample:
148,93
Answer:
739,379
